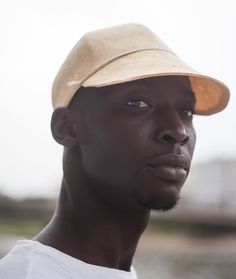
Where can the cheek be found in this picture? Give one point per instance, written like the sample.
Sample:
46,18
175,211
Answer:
114,153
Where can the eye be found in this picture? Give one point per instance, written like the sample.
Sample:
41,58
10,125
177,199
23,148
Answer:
188,113
136,103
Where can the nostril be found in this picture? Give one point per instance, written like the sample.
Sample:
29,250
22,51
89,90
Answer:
182,139
185,140
169,138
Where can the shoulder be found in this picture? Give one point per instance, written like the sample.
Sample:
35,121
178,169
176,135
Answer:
27,260
16,262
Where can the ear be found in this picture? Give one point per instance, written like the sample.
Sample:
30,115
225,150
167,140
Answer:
63,127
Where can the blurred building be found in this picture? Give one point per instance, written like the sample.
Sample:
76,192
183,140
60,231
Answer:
212,186
208,197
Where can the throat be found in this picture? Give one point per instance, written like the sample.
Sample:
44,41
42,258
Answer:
94,240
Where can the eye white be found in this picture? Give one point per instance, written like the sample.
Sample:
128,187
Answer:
188,113
138,103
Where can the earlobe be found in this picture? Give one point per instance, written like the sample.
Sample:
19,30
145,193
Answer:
63,127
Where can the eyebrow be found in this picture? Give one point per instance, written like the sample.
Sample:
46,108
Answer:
189,94
131,87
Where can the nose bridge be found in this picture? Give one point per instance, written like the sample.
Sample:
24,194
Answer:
171,128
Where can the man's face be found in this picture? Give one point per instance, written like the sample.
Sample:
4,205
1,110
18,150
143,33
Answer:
136,140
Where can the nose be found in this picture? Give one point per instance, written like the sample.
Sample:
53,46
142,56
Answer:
170,136
173,131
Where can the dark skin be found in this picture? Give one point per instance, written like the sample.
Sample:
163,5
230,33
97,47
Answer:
127,151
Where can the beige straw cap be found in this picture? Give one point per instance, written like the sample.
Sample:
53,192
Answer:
125,53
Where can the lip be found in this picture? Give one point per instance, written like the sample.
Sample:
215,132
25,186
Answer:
170,167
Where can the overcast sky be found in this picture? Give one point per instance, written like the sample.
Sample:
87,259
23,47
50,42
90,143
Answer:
36,35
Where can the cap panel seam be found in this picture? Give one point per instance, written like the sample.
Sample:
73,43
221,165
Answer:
109,60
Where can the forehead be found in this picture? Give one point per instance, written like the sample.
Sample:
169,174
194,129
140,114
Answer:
177,87
154,86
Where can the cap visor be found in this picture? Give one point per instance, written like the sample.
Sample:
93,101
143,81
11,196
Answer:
211,95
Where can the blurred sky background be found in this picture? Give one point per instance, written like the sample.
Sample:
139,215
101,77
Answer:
36,36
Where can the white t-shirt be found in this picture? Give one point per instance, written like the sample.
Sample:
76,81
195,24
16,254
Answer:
30,259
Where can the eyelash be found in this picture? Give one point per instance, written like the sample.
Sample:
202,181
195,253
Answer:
137,101
184,112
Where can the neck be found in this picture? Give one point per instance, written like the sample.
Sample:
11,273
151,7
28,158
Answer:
92,229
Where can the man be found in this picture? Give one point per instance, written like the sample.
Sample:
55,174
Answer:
123,107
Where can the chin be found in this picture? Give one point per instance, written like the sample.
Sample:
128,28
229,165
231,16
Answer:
156,205
158,201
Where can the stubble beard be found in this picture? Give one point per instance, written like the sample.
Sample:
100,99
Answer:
157,204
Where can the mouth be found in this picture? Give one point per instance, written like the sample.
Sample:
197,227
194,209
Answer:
170,167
